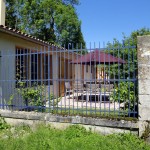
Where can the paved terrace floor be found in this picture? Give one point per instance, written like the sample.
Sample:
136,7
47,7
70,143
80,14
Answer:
71,101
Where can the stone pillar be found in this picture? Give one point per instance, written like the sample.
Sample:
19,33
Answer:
55,67
144,81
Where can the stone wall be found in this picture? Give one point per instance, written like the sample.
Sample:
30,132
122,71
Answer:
104,126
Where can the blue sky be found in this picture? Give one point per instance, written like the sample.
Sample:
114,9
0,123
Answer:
103,20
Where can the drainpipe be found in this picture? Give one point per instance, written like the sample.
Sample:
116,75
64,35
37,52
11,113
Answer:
2,12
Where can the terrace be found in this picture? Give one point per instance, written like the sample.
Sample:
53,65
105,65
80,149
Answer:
67,81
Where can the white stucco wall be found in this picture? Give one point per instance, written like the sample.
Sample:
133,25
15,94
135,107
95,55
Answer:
8,44
78,73
7,67
88,76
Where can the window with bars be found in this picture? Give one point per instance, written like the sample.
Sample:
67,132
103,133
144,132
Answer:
21,64
86,68
47,69
33,67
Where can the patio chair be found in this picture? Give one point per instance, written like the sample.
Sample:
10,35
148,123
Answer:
92,89
107,87
106,90
78,90
68,88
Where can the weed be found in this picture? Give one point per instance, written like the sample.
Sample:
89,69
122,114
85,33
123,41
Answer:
3,124
146,132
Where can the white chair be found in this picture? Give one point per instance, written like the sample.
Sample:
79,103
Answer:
106,90
68,88
78,90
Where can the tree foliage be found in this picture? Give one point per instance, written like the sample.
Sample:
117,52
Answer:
11,13
125,92
55,21
70,2
126,50
126,89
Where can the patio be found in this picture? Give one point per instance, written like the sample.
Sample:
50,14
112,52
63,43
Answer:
70,102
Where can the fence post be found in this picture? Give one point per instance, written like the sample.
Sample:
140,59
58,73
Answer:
143,51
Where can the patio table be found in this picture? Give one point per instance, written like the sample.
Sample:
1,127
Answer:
99,94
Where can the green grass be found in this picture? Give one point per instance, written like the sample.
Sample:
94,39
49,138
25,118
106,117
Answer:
73,138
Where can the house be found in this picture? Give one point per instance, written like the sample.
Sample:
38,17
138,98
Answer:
26,58
96,64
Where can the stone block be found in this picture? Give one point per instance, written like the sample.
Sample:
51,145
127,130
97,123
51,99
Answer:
144,87
143,50
144,112
144,107
76,119
142,125
143,71
144,100
144,58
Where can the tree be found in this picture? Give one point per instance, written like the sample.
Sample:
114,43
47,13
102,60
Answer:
70,2
37,19
126,50
68,29
78,41
11,14
55,21
134,34
126,89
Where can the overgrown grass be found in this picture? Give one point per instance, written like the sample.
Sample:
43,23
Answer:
73,138
3,124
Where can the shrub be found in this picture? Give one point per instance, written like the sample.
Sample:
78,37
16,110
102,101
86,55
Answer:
125,93
34,95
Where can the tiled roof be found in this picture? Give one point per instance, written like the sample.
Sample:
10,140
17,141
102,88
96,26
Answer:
97,57
26,36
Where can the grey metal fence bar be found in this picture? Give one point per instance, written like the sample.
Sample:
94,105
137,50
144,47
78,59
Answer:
89,82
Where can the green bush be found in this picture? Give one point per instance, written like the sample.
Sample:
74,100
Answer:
34,95
125,92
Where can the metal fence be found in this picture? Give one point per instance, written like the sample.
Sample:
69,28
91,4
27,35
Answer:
88,82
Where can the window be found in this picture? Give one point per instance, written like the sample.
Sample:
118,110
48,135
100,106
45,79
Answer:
34,67
26,66
86,68
47,69
21,64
